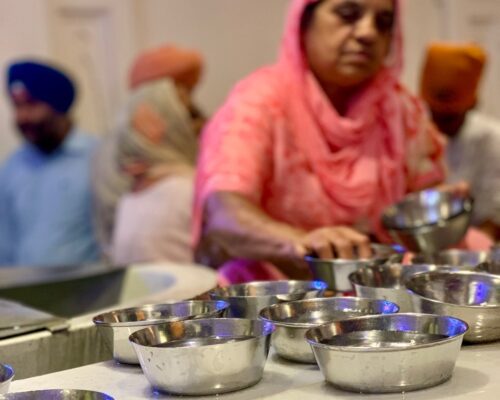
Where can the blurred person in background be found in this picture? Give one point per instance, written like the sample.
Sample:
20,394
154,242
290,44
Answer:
145,172
45,194
450,85
305,154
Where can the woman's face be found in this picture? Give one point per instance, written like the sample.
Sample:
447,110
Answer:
347,41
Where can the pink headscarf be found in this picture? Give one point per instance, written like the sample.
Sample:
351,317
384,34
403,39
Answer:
367,165
360,162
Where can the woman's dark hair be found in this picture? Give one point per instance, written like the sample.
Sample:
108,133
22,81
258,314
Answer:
308,14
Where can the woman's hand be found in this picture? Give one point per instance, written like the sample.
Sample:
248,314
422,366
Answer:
334,242
240,229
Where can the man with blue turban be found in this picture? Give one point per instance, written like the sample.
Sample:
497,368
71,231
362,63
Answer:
45,196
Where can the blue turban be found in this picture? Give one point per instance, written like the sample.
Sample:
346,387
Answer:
43,83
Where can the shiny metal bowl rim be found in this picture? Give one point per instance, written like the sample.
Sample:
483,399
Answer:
98,319
10,395
363,349
269,328
217,292
10,373
398,249
439,268
341,261
477,307
424,228
314,300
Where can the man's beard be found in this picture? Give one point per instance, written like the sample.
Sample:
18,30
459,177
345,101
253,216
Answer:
41,135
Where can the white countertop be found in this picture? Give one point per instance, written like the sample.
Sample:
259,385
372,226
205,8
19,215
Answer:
476,376
151,283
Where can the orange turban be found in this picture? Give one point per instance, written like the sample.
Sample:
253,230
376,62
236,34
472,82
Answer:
183,66
451,76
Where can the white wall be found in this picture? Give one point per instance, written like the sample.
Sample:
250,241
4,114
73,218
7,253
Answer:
23,32
421,24
235,36
96,40
479,21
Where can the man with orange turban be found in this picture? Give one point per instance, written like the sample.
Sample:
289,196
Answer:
182,65
449,85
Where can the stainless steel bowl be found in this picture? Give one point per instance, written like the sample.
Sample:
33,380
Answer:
116,326
58,394
388,282
456,257
6,376
203,357
388,353
247,299
335,272
473,297
293,319
428,221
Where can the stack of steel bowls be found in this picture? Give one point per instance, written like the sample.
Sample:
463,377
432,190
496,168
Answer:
116,326
293,319
428,221
206,356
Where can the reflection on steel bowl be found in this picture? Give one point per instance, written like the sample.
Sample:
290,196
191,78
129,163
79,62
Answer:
388,353
205,356
335,272
388,282
473,297
428,221
6,376
293,319
116,326
247,299
58,394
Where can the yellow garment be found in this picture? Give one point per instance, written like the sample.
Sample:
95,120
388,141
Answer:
181,65
451,76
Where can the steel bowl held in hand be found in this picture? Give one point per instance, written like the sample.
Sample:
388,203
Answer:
428,221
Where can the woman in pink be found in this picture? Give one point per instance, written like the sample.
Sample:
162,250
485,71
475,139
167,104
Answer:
306,153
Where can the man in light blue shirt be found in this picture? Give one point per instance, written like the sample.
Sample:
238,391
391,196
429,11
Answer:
45,195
